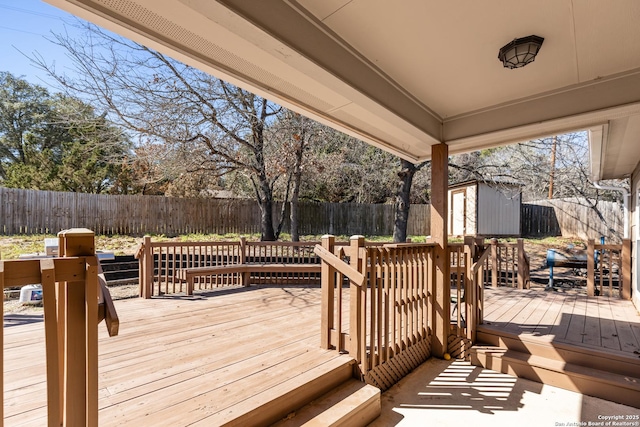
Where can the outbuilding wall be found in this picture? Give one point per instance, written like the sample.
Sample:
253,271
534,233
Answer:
489,210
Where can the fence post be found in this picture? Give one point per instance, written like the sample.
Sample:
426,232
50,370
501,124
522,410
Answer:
147,268
356,313
591,267
625,259
80,332
494,263
328,283
521,265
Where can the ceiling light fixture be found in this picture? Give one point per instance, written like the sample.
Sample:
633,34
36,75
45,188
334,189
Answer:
520,52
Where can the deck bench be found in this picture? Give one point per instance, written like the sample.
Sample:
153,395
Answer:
189,274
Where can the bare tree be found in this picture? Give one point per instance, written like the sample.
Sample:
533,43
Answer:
220,127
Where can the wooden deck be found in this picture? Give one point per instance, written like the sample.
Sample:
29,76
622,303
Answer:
567,316
180,360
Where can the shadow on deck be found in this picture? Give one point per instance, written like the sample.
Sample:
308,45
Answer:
590,345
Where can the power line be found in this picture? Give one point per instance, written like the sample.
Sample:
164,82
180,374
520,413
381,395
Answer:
30,12
21,31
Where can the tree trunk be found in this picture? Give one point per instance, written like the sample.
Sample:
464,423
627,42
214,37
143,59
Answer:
402,204
297,179
295,208
267,232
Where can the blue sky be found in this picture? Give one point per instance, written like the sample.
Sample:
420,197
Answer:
24,24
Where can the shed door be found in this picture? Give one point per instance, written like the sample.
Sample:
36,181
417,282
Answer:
458,212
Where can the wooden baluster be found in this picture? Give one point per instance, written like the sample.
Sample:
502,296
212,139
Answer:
494,263
625,270
245,276
386,289
590,267
146,269
373,330
356,331
395,305
522,267
328,288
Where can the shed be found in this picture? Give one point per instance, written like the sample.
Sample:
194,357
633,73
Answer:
480,208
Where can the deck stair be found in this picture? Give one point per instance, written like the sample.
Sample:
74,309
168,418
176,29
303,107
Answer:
353,403
610,375
322,396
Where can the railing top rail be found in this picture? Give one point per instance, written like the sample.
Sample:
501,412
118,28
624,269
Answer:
367,244
611,247
21,272
203,243
342,267
476,265
292,244
408,245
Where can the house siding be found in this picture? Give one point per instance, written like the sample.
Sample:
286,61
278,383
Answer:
635,235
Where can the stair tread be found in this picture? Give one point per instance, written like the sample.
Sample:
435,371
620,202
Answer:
564,367
338,407
530,339
290,395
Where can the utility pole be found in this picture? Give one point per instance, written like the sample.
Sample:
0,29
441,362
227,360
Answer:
553,166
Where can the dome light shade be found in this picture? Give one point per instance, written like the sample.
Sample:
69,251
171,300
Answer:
520,52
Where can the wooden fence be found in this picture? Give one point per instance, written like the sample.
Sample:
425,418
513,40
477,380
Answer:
34,212
573,218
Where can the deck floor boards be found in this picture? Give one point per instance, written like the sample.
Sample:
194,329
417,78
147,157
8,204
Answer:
573,318
181,360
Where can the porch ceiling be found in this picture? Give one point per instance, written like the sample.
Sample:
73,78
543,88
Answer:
406,75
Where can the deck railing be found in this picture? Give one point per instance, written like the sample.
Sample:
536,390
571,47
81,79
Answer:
609,269
71,291
507,264
160,263
469,265
383,318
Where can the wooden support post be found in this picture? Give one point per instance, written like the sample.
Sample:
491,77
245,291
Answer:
356,332
470,289
328,280
591,270
147,268
91,333
494,263
522,265
441,286
80,395
625,259
52,339
245,278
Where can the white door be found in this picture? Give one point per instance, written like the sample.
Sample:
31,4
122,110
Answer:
458,212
